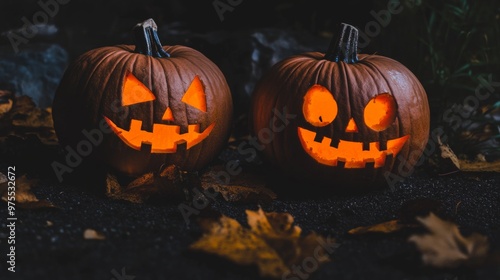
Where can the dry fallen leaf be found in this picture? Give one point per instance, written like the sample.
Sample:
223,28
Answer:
407,217
479,166
166,185
24,198
245,187
445,247
5,107
6,101
466,165
26,118
385,227
272,242
3,178
93,234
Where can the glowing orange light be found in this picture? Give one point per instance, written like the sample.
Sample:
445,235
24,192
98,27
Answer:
195,95
351,153
134,91
164,138
351,126
320,108
168,115
380,112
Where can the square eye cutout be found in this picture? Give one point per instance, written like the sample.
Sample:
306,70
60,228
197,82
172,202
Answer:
134,91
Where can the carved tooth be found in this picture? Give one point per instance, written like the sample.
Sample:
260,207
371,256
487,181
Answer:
369,164
388,160
335,142
341,162
181,146
366,146
318,138
146,147
382,145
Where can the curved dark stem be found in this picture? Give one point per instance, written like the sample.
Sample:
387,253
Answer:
344,47
147,41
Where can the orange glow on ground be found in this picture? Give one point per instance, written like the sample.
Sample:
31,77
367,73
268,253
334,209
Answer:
347,151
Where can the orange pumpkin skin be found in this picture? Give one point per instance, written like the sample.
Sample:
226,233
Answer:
92,93
331,146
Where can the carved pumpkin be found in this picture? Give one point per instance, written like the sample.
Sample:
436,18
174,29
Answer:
357,117
156,105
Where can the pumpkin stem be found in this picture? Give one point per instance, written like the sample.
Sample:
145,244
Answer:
146,39
344,47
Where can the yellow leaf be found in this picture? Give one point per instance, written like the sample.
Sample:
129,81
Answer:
271,242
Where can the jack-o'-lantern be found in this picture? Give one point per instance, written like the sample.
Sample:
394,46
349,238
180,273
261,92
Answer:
356,118
153,105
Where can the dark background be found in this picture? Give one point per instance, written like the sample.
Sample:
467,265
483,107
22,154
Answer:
448,44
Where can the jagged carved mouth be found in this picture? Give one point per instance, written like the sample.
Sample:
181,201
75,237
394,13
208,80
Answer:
163,139
349,154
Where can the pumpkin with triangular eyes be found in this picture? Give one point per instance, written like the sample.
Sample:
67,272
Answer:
356,118
154,105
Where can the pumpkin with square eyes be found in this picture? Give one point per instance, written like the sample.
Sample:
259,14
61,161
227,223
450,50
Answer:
156,105
357,117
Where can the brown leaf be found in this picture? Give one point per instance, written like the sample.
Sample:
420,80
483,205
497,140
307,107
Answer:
93,234
408,214
245,187
479,166
445,247
24,197
385,227
26,118
272,242
6,101
466,165
164,185
3,178
5,107
446,152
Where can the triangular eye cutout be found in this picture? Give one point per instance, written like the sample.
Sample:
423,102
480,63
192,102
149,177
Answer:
195,95
134,91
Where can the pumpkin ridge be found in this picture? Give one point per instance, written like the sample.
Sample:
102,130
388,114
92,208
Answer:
94,69
91,91
98,69
398,117
287,76
353,85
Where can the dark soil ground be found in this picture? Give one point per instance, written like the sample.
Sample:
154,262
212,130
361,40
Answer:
150,240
